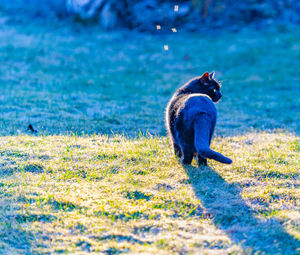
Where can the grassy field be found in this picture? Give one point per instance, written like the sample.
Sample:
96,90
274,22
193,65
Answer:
94,194
100,175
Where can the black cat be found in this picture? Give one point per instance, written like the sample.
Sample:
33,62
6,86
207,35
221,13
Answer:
191,118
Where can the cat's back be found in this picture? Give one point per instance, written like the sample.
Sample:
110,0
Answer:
193,104
185,108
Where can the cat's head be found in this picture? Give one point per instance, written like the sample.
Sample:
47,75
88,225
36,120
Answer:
210,86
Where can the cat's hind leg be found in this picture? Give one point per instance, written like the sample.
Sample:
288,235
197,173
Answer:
177,150
187,157
185,141
201,161
188,154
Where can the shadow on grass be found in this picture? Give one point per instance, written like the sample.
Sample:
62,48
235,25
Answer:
232,215
15,240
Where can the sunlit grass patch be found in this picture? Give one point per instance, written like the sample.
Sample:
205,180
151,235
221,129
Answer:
114,194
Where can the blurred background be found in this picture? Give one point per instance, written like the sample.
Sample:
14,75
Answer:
145,15
108,66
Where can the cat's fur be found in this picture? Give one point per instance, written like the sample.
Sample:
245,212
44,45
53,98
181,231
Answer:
191,118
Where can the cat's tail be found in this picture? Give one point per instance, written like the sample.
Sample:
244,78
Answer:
208,153
203,133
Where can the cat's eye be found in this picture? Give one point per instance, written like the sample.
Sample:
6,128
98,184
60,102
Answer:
215,90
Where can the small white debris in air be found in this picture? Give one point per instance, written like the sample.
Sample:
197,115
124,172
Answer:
166,47
176,8
158,27
174,29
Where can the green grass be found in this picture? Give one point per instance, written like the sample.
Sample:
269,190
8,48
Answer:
112,195
101,177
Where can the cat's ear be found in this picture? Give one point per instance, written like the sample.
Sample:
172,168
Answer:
212,75
205,78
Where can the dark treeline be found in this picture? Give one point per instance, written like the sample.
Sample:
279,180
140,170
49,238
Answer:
145,15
